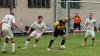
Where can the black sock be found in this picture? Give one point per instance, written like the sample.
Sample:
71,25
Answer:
51,41
63,42
28,39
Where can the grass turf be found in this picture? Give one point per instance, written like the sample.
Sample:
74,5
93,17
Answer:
73,47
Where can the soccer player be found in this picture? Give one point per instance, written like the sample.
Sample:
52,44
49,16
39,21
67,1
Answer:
59,30
7,22
89,25
77,21
40,27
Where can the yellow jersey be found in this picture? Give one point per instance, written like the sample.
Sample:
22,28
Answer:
59,26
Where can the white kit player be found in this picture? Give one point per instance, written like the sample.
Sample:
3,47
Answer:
7,22
89,26
39,27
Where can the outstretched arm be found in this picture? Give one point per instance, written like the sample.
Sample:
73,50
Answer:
16,26
96,27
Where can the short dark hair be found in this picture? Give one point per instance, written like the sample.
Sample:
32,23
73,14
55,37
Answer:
12,13
40,17
61,22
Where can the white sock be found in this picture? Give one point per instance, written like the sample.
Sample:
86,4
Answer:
4,46
26,44
13,47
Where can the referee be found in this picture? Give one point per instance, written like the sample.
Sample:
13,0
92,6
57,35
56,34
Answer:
77,21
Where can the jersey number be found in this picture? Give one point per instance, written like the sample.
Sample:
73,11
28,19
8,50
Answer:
6,20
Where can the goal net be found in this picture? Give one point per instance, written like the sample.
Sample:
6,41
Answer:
83,8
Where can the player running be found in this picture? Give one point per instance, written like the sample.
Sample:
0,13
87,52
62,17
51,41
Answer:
39,27
59,30
7,22
89,25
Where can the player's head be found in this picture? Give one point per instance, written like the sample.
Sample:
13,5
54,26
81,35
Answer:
11,13
40,19
65,20
61,22
76,14
90,15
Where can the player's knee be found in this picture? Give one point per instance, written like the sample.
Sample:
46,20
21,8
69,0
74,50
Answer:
53,38
6,40
64,37
12,40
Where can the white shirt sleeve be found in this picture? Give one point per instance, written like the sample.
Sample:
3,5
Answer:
86,21
94,20
13,19
32,24
3,19
44,25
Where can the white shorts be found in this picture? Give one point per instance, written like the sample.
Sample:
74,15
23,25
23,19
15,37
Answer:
36,34
7,32
90,32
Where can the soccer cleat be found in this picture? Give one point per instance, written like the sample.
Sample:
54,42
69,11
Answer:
83,44
48,49
4,51
35,45
24,47
13,52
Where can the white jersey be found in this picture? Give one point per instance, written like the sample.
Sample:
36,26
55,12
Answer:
91,23
8,20
38,26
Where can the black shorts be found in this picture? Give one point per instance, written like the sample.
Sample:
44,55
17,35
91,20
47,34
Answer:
77,25
59,32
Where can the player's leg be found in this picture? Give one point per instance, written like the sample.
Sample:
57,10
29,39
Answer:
75,26
93,37
63,34
55,34
5,45
11,37
1,35
0,39
13,45
85,39
63,40
28,39
38,36
80,30
51,42
5,42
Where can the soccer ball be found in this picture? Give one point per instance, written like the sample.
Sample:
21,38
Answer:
62,47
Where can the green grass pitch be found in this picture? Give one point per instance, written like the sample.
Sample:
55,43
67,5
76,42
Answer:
73,47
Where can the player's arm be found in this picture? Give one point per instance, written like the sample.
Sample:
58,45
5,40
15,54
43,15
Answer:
56,24
14,24
1,23
73,19
85,24
45,28
79,18
96,26
30,28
